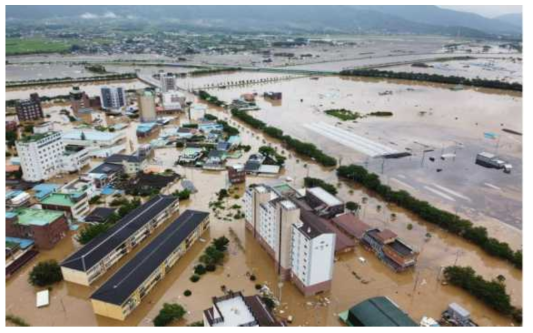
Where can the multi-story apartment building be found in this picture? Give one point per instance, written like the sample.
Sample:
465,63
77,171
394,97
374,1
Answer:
40,156
125,290
113,98
302,249
79,99
30,109
94,259
168,82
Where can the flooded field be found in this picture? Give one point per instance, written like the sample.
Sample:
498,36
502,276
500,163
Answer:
501,69
425,115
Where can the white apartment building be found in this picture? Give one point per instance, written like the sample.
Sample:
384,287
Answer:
40,156
312,258
197,112
303,251
168,82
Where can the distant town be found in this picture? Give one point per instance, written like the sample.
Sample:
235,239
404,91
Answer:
166,178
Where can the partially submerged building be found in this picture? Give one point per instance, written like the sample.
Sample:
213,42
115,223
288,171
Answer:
126,289
377,312
236,310
75,205
389,249
45,227
94,259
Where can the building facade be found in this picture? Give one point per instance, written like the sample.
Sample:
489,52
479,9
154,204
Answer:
94,259
40,156
302,252
30,109
74,158
126,289
112,98
168,82
75,205
45,227
146,101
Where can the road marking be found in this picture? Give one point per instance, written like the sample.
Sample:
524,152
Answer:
459,195
439,193
403,184
493,186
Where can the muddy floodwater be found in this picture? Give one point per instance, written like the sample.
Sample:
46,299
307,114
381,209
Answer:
424,116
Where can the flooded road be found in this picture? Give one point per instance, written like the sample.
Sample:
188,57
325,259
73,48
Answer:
418,292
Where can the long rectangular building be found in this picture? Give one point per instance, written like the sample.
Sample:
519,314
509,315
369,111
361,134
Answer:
125,290
94,259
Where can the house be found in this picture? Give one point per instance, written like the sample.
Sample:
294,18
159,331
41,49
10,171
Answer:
236,310
105,174
389,249
190,155
272,95
147,129
210,126
323,203
215,160
132,163
17,199
45,227
99,215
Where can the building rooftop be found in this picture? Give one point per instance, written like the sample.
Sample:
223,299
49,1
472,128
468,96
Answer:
130,277
100,246
107,168
120,158
378,311
36,217
36,137
91,135
325,196
42,190
61,199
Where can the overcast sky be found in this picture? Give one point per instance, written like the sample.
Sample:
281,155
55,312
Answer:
489,11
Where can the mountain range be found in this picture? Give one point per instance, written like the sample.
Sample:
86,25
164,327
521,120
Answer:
409,19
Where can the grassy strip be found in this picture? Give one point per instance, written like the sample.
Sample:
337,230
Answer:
16,320
481,83
343,114
492,293
303,148
423,209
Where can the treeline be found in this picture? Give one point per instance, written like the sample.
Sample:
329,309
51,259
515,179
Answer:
205,96
210,71
310,182
300,147
121,76
492,293
482,83
423,209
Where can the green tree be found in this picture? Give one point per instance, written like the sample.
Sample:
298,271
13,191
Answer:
352,206
221,243
91,231
169,313
45,273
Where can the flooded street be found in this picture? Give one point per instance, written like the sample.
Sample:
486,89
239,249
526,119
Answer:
424,116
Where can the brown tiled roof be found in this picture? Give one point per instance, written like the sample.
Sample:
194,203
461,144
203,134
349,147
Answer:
351,224
385,235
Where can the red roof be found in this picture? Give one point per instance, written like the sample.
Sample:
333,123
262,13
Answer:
351,224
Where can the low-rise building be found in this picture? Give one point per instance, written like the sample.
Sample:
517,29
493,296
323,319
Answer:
323,203
74,158
236,310
197,112
132,163
45,227
94,259
173,101
236,174
93,138
376,312
75,205
16,199
391,250
126,289
190,155
104,174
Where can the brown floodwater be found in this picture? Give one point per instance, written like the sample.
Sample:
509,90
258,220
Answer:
419,292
